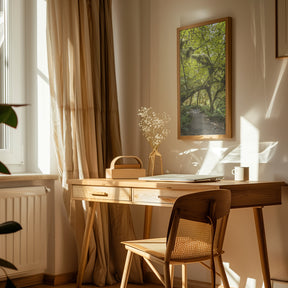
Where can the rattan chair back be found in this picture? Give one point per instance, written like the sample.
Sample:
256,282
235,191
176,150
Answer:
196,224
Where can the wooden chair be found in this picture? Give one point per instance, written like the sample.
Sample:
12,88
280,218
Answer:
195,234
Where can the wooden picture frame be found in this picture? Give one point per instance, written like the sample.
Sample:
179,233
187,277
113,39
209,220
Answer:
204,72
281,9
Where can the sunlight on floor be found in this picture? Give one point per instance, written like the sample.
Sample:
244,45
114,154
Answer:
233,277
250,283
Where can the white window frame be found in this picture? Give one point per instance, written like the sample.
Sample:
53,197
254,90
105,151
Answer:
13,154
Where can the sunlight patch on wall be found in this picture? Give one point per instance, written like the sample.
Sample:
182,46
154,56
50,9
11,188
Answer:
249,155
277,85
212,158
265,154
189,151
43,91
208,158
251,152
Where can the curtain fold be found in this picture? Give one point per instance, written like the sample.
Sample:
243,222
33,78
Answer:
86,125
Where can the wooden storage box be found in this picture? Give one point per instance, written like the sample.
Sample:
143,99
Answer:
125,171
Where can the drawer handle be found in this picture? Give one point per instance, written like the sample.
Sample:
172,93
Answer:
167,199
105,194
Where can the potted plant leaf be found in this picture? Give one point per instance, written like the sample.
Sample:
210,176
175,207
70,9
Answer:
8,117
7,228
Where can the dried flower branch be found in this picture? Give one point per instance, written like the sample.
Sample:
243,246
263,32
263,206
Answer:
153,125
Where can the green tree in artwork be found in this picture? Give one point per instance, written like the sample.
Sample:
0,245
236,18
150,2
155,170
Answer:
202,75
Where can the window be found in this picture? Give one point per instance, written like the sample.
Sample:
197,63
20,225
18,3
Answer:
12,80
24,71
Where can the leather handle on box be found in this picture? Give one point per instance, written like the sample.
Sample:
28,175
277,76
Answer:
113,162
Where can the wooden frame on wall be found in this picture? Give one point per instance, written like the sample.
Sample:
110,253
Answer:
281,9
204,72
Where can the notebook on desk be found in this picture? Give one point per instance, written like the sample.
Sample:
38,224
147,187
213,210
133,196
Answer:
182,178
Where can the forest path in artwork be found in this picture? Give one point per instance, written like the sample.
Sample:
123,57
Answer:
201,124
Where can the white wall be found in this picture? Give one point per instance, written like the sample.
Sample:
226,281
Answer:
146,57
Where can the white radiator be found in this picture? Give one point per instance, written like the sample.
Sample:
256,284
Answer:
26,249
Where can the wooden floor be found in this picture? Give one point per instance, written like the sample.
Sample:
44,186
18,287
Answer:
73,285
191,284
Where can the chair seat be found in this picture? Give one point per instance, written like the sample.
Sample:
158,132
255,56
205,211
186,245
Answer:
153,246
156,247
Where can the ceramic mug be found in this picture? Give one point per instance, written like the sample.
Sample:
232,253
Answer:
240,173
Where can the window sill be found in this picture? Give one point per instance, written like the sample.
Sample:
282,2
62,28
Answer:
27,177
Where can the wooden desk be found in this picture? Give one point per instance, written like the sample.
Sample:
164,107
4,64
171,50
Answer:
243,194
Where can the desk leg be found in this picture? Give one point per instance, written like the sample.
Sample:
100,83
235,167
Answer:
260,229
146,235
147,222
85,244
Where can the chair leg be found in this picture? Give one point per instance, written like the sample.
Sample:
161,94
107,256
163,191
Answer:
126,270
184,276
171,266
166,276
212,271
222,272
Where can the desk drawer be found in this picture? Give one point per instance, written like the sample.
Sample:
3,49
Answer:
157,197
102,194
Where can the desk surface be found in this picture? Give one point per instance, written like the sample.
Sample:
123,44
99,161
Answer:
243,194
162,184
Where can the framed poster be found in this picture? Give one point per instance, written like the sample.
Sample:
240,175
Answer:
281,28
204,80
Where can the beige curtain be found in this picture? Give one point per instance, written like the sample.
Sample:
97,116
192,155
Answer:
86,125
